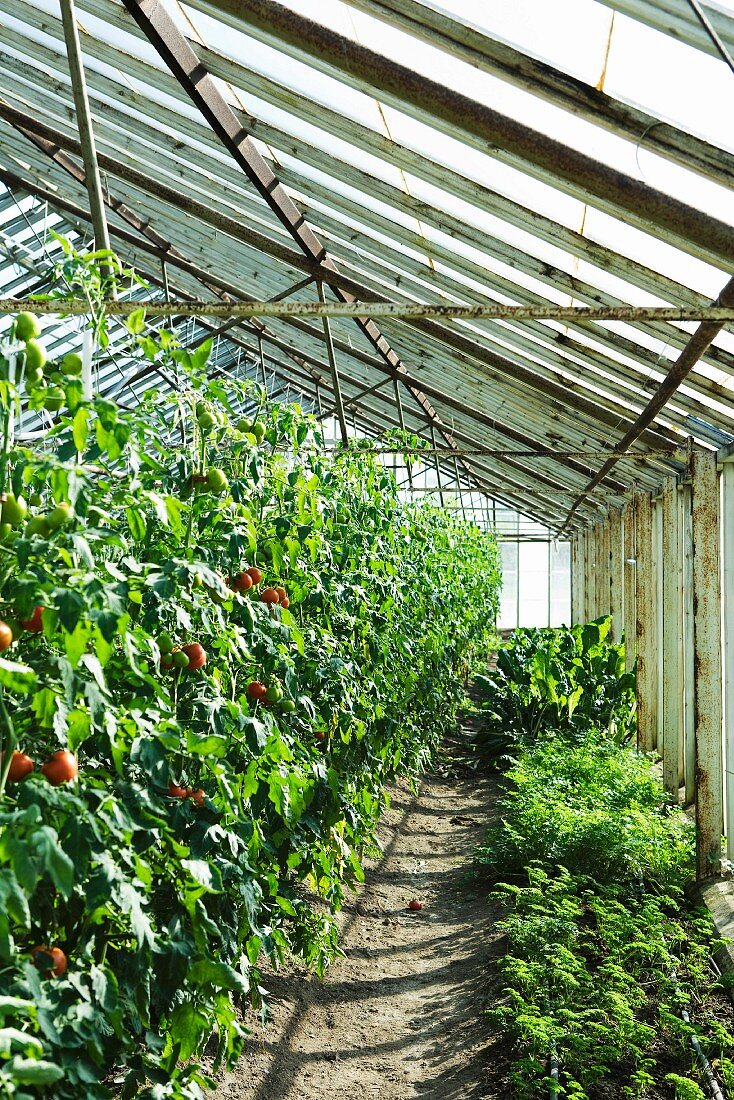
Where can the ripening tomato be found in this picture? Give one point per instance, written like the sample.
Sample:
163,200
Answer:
256,690
6,636
21,766
34,625
320,735
240,582
61,768
255,573
196,655
27,326
282,594
50,960
286,603
198,796
174,791
269,596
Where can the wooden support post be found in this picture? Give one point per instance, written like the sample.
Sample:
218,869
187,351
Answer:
657,509
604,570
591,573
646,666
671,701
689,650
727,542
616,573
708,668
630,585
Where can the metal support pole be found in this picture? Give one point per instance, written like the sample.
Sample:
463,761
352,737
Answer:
334,374
438,468
646,665
401,419
84,122
672,701
728,571
708,669
576,544
630,585
604,555
689,651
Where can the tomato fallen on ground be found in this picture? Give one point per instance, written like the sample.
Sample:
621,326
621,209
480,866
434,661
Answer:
256,690
50,961
21,766
61,768
415,905
196,655
34,625
6,636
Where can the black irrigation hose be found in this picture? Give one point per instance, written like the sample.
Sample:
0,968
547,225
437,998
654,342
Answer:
701,1056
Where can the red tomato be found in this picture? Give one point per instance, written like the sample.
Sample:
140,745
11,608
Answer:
240,582
174,791
319,735
256,690
415,905
20,766
61,768
285,602
255,573
198,796
35,624
6,636
50,960
282,594
269,596
196,655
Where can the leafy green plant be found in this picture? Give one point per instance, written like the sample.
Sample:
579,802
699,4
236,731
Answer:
556,679
212,824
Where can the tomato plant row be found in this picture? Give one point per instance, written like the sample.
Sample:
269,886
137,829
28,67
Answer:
233,736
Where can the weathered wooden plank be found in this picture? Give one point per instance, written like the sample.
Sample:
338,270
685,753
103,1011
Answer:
672,673
645,628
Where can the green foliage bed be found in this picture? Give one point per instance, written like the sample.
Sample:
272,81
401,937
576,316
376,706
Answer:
589,860
207,830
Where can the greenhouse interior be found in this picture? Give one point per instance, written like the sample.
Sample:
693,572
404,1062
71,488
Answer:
366,549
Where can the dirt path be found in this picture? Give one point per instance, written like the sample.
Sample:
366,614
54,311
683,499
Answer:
402,1015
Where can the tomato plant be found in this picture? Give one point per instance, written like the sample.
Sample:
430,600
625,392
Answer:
215,820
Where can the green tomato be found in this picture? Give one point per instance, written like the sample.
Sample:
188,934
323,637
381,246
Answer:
72,363
165,643
244,425
35,355
35,500
37,525
27,326
33,378
274,694
216,481
56,377
205,417
6,531
14,510
54,398
288,706
258,430
60,515
180,659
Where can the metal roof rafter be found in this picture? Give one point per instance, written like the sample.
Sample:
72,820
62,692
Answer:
174,49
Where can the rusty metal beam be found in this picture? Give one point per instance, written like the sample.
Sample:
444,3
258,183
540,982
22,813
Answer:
708,666
455,113
684,364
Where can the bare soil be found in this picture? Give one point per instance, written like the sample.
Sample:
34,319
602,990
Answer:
402,1015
